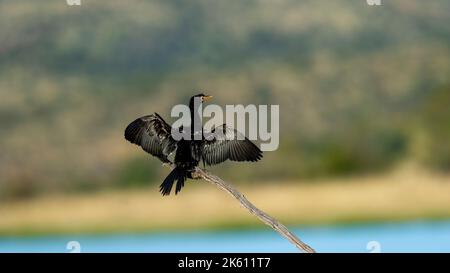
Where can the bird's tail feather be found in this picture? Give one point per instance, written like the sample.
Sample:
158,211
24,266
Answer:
177,174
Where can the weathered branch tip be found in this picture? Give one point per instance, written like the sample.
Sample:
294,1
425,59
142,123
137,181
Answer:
261,215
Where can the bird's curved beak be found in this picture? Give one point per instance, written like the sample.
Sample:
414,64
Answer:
207,97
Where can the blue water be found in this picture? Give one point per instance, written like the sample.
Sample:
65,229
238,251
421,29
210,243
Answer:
396,237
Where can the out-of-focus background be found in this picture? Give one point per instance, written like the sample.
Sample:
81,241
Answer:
364,95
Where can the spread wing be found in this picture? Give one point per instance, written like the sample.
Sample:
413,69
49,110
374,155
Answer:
228,143
153,134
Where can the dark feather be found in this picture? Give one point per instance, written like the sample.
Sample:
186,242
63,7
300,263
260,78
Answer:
226,143
153,134
177,174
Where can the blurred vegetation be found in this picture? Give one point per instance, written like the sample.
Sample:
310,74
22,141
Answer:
360,88
432,139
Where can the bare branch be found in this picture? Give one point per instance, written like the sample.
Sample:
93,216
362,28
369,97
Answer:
267,219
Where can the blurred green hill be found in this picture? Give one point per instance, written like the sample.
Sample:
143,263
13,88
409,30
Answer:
360,88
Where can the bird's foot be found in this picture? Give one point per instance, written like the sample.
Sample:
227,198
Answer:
197,173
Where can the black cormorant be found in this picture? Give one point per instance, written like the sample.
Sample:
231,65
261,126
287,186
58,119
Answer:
154,135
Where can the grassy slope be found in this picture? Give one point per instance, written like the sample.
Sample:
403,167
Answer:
72,78
401,195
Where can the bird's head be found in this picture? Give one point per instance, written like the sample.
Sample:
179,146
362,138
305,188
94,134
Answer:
199,98
202,96
196,102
